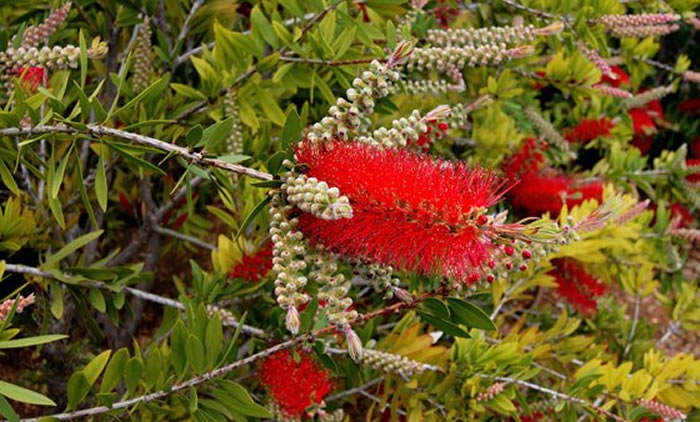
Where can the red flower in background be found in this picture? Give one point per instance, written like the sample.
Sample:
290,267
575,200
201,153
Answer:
695,147
294,385
682,214
622,78
255,266
445,14
409,210
538,191
645,121
690,106
31,76
695,177
589,129
576,286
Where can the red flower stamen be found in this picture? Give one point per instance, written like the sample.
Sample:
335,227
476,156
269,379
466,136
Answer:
294,385
589,129
255,266
576,285
410,211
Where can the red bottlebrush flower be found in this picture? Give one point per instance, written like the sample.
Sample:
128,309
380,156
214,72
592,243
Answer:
691,106
538,193
642,121
255,266
528,159
31,76
126,204
695,177
622,78
294,385
445,14
409,211
695,147
576,285
682,214
532,417
589,129
180,221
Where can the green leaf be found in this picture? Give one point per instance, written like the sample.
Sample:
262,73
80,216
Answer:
31,341
194,135
97,300
70,248
57,180
195,354
234,158
78,388
469,314
153,90
214,339
101,184
307,317
291,131
7,411
56,300
261,25
23,395
251,217
132,373
274,163
270,107
114,370
83,58
244,403
188,92
443,325
435,307
57,211
216,132
7,178
93,369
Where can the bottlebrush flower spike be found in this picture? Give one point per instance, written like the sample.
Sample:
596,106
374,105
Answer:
589,129
528,159
662,409
36,34
576,285
255,266
294,385
617,78
409,211
23,302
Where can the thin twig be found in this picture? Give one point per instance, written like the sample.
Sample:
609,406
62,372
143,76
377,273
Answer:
635,321
328,62
23,269
352,391
186,25
182,236
97,130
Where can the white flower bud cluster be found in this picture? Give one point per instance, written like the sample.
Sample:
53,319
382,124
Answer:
234,143
381,277
499,35
333,289
691,76
315,197
612,91
280,416
443,59
37,34
612,21
46,57
288,262
347,115
423,86
662,409
546,130
640,100
643,31
337,416
491,392
391,363
399,135
143,58
226,316
598,61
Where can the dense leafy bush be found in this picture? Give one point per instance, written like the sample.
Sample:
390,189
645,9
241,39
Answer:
345,210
